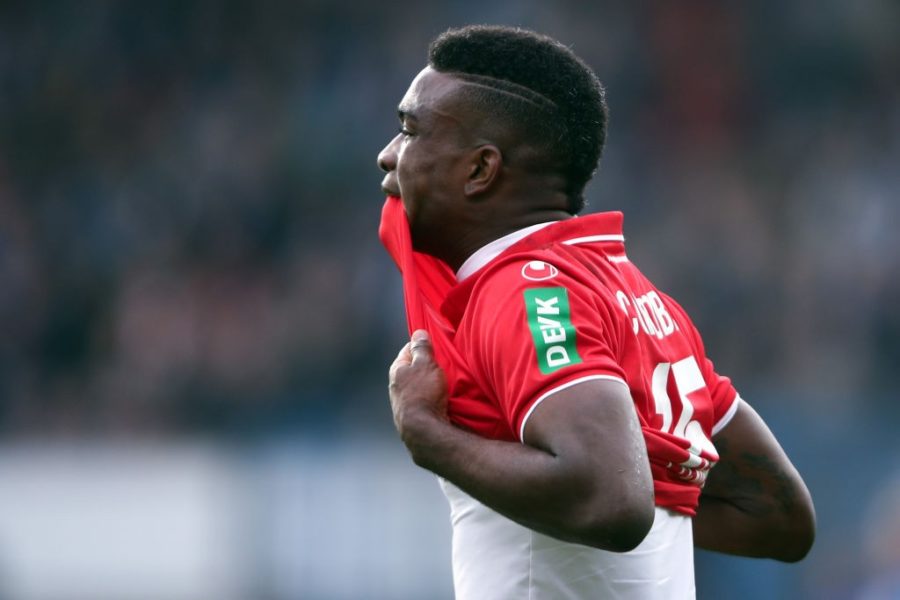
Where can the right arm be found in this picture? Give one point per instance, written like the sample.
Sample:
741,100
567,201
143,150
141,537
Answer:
581,475
754,502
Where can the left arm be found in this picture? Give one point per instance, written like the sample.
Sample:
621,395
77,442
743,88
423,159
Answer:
581,474
754,502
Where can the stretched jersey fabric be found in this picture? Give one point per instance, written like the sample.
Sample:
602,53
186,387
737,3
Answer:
535,312
426,282
558,307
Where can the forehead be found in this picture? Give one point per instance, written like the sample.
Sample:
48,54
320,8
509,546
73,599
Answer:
430,91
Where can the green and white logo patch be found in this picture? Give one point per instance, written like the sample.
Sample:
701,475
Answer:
551,328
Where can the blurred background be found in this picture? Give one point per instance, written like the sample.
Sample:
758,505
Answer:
196,316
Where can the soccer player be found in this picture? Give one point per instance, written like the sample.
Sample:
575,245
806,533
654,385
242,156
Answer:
566,404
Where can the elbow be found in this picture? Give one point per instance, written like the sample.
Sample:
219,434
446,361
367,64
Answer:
796,548
633,525
791,535
618,528
798,537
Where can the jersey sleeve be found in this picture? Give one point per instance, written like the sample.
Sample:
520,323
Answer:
725,397
527,338
721,391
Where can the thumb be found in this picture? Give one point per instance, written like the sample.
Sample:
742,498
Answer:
420,346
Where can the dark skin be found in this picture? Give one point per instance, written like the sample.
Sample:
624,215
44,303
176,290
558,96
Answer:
754,502
455,172
582,473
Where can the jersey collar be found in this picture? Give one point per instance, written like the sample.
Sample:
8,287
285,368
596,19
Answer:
605,228
492,250
598,227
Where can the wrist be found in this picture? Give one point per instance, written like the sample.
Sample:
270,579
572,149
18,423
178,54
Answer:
421,430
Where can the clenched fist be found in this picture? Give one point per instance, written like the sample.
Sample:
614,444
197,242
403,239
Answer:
418,391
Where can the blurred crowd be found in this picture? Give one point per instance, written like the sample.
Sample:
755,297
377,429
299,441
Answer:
189,198
181,247
189,203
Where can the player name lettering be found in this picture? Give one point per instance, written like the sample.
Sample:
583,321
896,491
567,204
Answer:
648,313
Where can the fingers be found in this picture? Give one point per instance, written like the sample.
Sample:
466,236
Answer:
415,351
420,346
404,359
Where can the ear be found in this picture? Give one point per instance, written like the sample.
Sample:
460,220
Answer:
484,169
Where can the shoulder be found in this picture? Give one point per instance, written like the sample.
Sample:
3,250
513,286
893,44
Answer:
504,287
544,267
535,288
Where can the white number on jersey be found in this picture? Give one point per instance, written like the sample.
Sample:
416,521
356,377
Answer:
688,379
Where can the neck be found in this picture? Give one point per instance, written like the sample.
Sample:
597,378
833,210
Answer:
487,231
517,202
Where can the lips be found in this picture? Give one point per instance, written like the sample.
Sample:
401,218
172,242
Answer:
389,188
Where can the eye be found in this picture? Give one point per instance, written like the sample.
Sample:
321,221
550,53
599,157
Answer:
405,132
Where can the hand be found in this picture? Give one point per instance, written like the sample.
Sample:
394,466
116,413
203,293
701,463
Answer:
687,461
417,388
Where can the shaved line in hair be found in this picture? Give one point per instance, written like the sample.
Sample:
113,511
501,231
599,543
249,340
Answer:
503,86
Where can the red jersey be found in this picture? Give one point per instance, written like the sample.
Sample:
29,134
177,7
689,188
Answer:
557,307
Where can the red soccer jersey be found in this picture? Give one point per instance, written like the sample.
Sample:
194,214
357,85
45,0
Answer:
561,306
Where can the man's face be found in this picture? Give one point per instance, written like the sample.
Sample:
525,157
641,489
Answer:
425,162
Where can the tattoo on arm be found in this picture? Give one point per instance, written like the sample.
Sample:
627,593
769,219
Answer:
753,482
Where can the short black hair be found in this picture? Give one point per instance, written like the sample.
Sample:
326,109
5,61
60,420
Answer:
545,87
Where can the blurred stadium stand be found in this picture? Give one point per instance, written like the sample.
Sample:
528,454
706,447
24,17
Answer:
197,316
106,521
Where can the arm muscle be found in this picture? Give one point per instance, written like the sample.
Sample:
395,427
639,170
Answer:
755,502
582,474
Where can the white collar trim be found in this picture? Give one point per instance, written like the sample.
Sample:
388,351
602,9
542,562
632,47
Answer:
490,251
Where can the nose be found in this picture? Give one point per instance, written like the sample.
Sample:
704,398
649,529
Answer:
387,158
